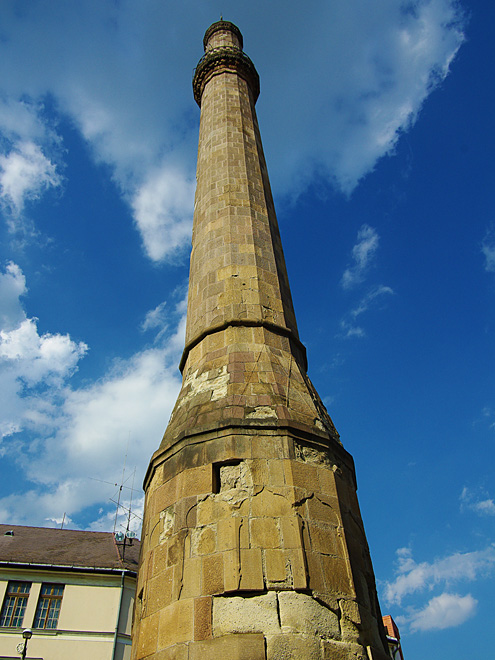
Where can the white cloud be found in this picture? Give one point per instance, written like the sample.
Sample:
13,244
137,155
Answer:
444,611
367,68
483,507
30,363
163,208
69,441
93,429
12,287
413,577
362,255
25,173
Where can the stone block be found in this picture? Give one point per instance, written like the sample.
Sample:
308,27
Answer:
270,503
291,536
165,495
302,475
197,481
228,534
298,569
160,591
249,614
251,570
244,532
231,567
325,539
301,613
176,623
213,574
203,540
159,560
202,618
324,509
267,446
264,533
176,652
277,473
326,480
275,564
334,650
337,575
191,580
315,571
292,647
147,640
229,647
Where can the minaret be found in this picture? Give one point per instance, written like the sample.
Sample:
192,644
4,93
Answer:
253,546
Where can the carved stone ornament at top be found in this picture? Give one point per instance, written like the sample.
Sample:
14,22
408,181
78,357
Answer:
222,59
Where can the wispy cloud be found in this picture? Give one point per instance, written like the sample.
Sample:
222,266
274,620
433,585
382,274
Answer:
480,504
356,115
415,577
363,253
444,611
488,250
348,323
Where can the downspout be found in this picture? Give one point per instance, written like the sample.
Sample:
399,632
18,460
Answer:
118,616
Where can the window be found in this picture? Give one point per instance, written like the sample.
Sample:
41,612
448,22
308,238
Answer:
14,604
48,606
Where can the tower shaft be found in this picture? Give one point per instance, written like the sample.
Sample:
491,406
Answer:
253,545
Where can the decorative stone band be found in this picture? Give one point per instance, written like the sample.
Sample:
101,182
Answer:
299,350
221,60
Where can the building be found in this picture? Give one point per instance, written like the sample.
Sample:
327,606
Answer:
393,638
74,589
253,547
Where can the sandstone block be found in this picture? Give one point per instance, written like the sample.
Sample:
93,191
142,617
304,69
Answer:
197,481
231,567
160,591
165,495
191,580
203,540
213,574
291,536
333,650
325,539
301,613
269,503
176,623
251,570
264,533
292,647
229,647
202,618
147,641
275,561
337,576
326,479
254,614
176,652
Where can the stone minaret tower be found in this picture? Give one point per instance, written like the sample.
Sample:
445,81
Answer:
253,546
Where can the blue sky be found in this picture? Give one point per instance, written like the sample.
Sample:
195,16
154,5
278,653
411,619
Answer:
377,123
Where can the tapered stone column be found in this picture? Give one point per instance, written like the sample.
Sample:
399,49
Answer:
253,545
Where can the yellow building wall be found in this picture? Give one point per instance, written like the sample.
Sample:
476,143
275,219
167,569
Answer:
88,617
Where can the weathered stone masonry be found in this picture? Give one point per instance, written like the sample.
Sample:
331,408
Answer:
253,546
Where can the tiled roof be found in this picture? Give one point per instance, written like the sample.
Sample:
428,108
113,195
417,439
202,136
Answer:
66,547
